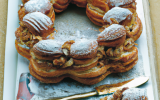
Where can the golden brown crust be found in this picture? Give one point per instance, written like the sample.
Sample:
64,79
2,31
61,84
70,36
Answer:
137,29
126,55
45,56
100,4
134,27
80,3
89,81
60,5
47,69
86,66
95,11
112,36
119,67
53,72
22,51
96,21
128,44
113,43
21,13
82,61
42,53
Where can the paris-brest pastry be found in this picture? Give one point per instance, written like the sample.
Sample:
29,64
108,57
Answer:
87,61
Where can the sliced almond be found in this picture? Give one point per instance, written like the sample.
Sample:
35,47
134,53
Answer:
68,63
65,51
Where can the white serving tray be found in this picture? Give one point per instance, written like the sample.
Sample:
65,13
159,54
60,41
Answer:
12,72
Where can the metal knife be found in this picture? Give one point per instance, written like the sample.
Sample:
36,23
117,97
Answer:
107,89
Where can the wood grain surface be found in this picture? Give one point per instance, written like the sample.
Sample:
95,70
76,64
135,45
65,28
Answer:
3,26
154,14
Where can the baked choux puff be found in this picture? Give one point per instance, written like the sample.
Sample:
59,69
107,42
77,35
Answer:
83,51
126,57
38,24
126,17
134,27
117,15
112,36
60,5
95,11
47,50
43,6
121,3
33,28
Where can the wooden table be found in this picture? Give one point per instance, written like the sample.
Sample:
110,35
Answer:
3,26
155,20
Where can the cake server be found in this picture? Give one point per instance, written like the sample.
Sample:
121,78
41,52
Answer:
107,89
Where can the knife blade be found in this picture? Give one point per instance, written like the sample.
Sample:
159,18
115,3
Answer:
107,89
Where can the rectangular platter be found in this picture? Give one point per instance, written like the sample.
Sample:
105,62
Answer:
16,64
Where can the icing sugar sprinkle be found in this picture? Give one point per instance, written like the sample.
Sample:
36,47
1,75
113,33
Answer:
119,14
37,6
134,94
109,33
117,3
83,46
49,46
38,21
131,94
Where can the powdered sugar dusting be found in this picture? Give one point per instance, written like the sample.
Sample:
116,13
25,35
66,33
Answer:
49,46
37,6
109,33
117,3
131,94
134,94
37,20
73,24
110,97
119,14
83,46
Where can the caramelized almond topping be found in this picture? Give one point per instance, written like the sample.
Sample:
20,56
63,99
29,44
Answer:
60,61
68,63
67,44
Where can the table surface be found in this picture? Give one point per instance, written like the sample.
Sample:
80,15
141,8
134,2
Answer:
155,18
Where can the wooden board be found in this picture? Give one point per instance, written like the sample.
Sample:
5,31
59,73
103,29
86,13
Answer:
3,26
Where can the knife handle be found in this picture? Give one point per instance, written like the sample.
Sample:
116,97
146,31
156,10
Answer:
76,96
